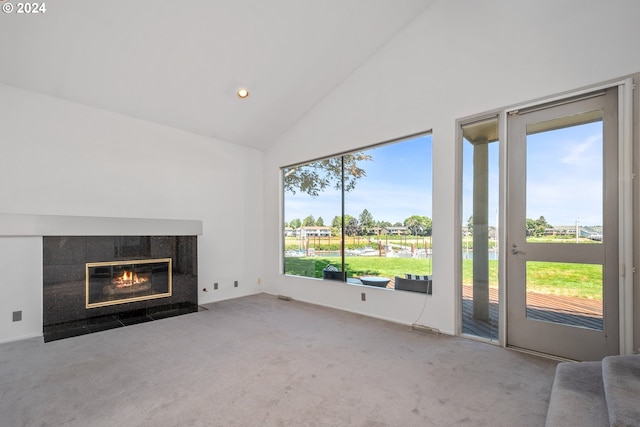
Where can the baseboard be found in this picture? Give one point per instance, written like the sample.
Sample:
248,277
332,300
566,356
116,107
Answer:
20,338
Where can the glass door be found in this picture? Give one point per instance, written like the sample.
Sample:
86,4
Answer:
562,267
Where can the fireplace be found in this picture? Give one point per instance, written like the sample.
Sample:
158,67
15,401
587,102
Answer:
118,282
93,283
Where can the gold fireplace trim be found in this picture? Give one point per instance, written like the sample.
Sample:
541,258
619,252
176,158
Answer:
169,262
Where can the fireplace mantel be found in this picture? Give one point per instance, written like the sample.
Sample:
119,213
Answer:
14,225
22,244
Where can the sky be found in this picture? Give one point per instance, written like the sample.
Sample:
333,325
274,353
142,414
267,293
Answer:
564,174
397,184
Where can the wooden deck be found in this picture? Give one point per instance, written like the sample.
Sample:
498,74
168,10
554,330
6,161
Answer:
578,312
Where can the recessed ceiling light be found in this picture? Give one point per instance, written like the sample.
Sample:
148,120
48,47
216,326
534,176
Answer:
243,93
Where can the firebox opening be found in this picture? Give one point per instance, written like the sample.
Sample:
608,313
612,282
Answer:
118,282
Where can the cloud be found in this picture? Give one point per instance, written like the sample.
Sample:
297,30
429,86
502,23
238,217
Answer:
586,152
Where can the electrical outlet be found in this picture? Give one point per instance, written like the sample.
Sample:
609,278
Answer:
215,286
259,280
235,283
363,296
17,316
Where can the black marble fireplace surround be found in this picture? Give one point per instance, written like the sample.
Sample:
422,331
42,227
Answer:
65,259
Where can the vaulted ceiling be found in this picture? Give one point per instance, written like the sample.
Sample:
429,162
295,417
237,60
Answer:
180,63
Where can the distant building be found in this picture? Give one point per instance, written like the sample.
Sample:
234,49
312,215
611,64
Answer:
395,231
309,231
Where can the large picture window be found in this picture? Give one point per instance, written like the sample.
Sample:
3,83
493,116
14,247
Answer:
363,217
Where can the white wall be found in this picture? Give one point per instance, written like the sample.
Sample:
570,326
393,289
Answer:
456,59
61,158
21,285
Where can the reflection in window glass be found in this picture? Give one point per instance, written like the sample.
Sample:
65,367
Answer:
565,293
385,229
564,175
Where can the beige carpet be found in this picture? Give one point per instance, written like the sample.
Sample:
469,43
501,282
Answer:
261,361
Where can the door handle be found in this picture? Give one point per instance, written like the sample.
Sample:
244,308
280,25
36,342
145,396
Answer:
515,250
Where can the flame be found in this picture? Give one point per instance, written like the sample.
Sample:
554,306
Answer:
128,278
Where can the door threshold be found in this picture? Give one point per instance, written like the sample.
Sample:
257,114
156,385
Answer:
539,354
480,339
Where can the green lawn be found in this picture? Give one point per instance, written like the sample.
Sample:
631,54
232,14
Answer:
358,266
577,280
582,280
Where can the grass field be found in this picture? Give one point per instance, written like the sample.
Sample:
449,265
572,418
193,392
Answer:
576,280
358,266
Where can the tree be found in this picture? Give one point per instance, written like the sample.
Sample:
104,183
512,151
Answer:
383,224
336,225
309,221
314,177
366,222
351,226
320,222
470,225
537,227
541,226
337,220
295,223
531,227
419,225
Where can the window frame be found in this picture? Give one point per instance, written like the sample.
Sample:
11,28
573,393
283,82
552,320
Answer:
283,245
